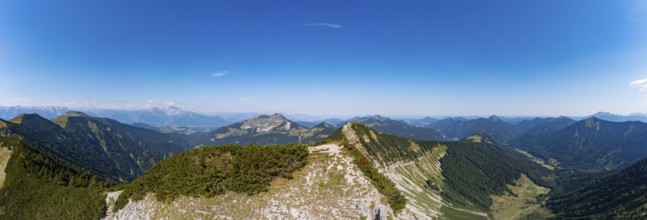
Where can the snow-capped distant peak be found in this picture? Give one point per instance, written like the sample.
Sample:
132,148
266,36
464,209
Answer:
168,110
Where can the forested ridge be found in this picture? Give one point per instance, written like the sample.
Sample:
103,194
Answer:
105,147
210,171
614,194
474,171
41,185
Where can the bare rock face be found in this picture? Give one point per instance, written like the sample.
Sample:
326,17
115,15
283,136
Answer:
5,155
264,123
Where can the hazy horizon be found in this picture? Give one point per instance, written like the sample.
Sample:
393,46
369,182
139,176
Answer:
317,117
398,59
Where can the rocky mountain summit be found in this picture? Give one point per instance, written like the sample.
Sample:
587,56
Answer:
264,130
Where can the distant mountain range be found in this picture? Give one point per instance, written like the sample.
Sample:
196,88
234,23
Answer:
422,122
607,116
427,121
157,116
49,112
499,130
399,128
542,125
163,116
172,116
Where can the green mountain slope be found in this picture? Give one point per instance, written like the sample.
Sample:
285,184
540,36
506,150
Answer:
542,125
37,184
439,177
106,147
614,195
489,165
591,144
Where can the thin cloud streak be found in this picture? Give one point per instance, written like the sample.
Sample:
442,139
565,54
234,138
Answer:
19,99
219,74
328,25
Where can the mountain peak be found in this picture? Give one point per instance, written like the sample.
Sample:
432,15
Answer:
75,114
603,114
273,116
369,118
378,117
389,148
63,119
27,118
373,120
480,137
168,110
266,123
278,115
323,125
494,118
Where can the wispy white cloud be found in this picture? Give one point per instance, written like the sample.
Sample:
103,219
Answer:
219,74
328,25
640,84
19,99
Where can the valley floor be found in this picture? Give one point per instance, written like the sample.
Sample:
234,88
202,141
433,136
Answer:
522,201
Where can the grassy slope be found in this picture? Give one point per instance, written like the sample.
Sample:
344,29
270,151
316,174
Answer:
409,164
452,166
520,201
547,165
411,178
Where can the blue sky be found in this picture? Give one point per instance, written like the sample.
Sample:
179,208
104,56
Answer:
400,58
